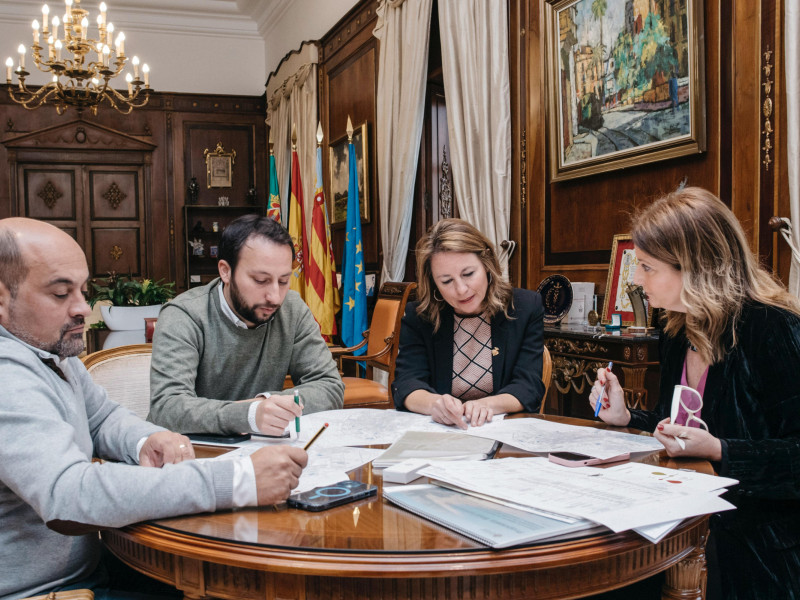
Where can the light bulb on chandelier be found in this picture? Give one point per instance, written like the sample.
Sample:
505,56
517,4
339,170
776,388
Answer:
78,80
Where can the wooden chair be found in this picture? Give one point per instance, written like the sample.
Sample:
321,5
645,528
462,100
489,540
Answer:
383,341
124,372
547,375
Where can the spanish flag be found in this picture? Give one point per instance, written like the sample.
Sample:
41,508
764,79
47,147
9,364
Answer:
297,222
322,294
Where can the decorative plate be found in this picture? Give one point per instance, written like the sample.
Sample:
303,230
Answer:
556,292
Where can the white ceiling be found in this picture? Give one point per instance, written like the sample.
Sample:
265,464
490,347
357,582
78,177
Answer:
196,46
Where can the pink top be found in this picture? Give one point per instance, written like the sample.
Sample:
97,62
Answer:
689,399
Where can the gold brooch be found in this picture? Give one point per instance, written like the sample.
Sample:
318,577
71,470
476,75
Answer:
495,351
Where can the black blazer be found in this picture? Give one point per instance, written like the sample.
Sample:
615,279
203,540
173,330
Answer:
425,359
752,404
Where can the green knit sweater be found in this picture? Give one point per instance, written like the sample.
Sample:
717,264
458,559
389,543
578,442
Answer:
203,364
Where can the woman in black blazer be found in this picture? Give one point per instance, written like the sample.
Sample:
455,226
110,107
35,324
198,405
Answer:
731,333
471,346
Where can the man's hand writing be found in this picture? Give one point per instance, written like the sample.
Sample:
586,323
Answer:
275,413
278,470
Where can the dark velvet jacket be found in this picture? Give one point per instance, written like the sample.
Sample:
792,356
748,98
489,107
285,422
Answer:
425,358
752,404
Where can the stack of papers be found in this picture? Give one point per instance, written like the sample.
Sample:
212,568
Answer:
491,523
436,446
649,499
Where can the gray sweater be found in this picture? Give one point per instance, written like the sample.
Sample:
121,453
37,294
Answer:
203,364
50,429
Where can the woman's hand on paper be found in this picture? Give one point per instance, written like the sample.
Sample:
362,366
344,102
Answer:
613,410
477,413
448,411
688,441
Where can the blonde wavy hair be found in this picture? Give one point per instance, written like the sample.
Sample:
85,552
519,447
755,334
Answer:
455,235
692,230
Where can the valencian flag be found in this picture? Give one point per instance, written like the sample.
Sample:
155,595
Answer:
354,298
297,222
274,204
322,292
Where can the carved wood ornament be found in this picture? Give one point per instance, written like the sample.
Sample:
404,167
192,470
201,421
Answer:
49,194
116,252
114,195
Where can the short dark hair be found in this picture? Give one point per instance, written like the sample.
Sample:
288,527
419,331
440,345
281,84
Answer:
13,269
239,231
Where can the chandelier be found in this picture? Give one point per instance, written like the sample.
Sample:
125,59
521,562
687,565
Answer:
82,67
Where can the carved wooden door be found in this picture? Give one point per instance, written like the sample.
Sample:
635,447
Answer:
92,182
100,205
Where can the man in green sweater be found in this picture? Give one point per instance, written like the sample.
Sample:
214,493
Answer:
221,352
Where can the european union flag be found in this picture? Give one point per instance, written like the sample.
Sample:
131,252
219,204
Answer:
354,298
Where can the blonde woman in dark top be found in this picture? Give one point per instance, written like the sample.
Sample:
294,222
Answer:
732,333
471,346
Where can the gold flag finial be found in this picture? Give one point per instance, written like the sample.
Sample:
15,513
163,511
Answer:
294,136
349,129
271,141
319,133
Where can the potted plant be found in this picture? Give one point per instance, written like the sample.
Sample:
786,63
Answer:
131,300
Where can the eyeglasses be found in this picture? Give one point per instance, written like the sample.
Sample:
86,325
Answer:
691,403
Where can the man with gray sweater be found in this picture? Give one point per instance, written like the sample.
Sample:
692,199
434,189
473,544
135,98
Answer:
54,419
221,352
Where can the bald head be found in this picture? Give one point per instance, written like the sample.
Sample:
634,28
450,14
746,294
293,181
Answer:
43,276
25,241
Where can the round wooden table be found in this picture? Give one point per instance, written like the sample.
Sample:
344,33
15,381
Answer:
371,549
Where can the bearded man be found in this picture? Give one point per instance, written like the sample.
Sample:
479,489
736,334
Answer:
221,352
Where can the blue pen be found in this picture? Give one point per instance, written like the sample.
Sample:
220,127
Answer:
598,405
297,419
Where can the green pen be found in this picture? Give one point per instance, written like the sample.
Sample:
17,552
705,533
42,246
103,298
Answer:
297,419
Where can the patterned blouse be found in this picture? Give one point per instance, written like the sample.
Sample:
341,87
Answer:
472,357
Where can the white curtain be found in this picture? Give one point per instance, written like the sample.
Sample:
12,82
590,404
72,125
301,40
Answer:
292,98
404,32
476,84
303,114
278,120
792,36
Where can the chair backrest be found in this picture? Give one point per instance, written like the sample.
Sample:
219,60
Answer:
124,372
386,318
547,375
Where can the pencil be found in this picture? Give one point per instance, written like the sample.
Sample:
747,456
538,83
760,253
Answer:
316,435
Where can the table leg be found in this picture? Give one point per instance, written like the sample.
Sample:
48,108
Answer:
686,580
635,392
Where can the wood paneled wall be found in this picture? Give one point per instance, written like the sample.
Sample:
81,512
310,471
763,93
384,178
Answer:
175,129
568,226
348,81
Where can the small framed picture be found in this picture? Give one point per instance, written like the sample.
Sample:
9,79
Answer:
621,271
219,167
213,251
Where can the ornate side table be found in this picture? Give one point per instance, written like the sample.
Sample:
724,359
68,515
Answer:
578,351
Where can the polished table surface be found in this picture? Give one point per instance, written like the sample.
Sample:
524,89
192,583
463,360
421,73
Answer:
373,549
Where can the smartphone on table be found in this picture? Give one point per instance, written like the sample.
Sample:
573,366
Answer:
573,459
328,496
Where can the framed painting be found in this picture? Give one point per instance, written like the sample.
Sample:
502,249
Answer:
621,270
626,83
219,167
339,156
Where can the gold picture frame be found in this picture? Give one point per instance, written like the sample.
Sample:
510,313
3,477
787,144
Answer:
339,156
626,87
219,167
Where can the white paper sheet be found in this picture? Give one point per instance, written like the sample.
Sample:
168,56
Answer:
619,500
537,435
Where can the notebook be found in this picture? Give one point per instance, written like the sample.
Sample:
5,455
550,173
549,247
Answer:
489,523
432,445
